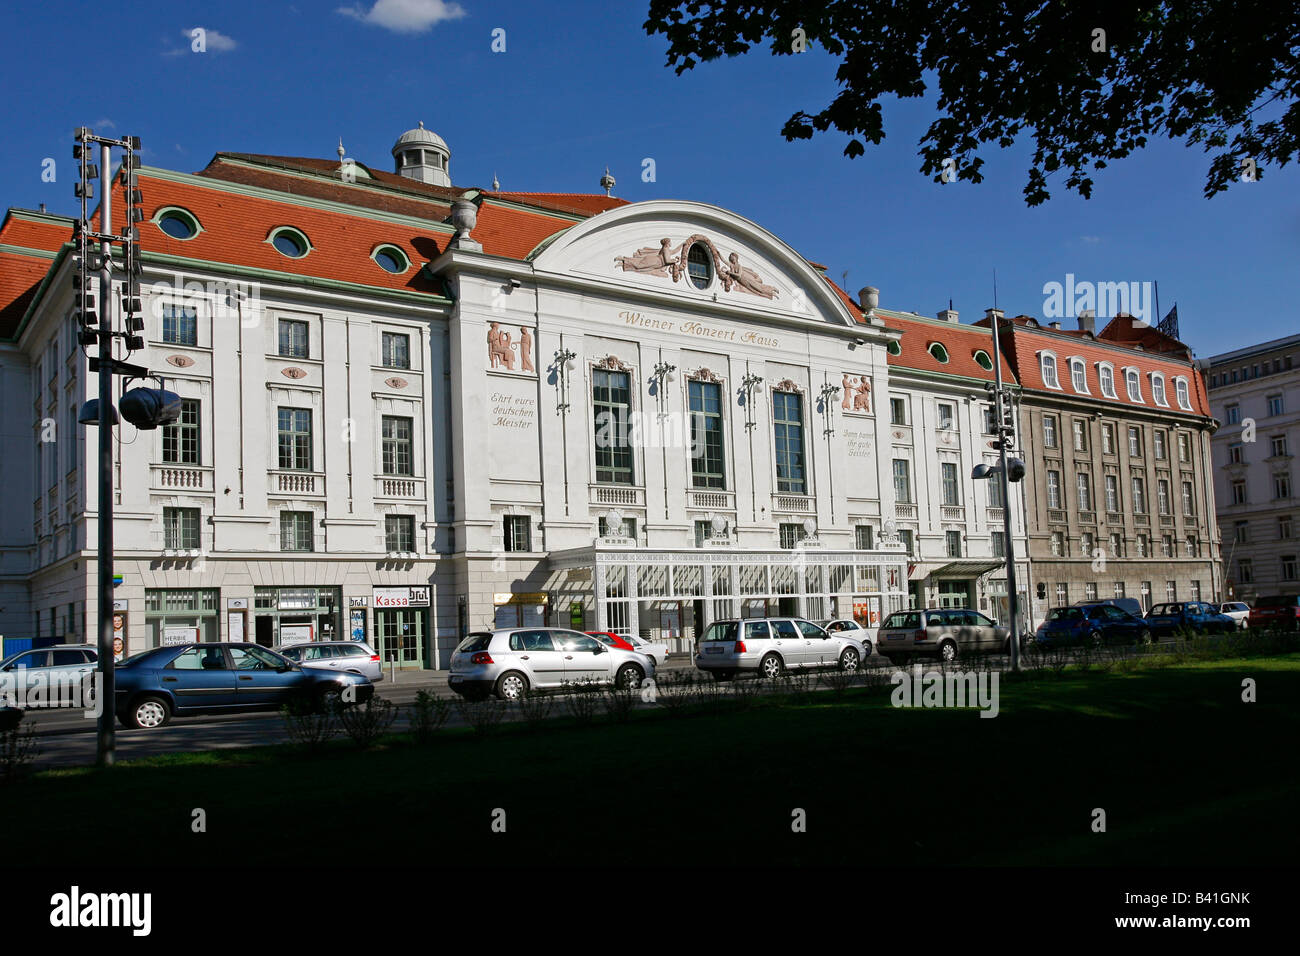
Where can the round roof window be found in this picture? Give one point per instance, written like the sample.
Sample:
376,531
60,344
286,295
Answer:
178,225
390,260
290,243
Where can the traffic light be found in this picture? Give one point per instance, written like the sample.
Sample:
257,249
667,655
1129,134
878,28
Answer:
147,408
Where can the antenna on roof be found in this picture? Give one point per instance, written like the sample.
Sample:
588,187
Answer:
995,289
844,280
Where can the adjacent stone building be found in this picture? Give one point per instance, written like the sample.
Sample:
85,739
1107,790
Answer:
1255,394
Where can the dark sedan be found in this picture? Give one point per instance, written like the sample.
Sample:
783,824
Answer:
218,677
1093,624
1188,617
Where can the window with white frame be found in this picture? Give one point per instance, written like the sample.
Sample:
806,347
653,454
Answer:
1053,489
1048,363
1133,383
1106,375
518,532
1079,376
1182,394
1112,493
1158,389
1049,431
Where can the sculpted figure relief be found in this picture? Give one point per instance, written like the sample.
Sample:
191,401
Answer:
525,349
500,351
746,278
651,261
671,263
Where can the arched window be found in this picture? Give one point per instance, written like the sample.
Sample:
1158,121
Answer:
1158,389
1079,376
1048,363
893,348
1106,375
1182,392
939,352
982,359
1133,383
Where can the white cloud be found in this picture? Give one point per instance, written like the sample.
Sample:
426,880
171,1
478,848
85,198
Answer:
105,124
1091,239
405,16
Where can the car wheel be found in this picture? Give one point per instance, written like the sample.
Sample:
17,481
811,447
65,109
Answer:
330,697
948,651
512,685
1144,637
866,646
629,677
771,667
149,713
653,662
849,659
1094,639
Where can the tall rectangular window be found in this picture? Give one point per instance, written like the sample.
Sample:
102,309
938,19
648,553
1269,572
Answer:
1238,489
999,541
398,446
399,533
946,418
1162,496
1053,489
611,397
1108,439
518,533
180,442
1062,594
296,531
1275,405
294,338
908,539
1282,486
1184,447
897,411
787,421
1189,500
295,439
995,492
181,528
862,537
1112,493
1139,496
1049,431
951,491
396,349
1090,591
180,326
1135,442
707,468
791,533
953,541
1084,484
902,481
1158,445
1080,434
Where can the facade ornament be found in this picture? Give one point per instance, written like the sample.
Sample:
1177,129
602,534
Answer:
526,349
705,375
857,394
669,263
500,350
786,385
612,363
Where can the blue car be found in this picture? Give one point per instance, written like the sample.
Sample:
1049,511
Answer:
219,677
1188,617
1091,624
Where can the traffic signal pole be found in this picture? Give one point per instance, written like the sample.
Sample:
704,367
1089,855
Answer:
1002,478
106,740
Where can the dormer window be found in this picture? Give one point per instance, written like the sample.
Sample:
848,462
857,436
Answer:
1182,393
1079,376
1158,389
939,352
1133,383
289,242
1047,362
983,360
1106,375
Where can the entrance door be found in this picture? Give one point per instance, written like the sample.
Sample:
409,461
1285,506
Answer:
954,594
399,636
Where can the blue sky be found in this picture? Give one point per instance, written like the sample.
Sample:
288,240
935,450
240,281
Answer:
581,86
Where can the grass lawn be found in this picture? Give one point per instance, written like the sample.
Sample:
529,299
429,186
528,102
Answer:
1186,772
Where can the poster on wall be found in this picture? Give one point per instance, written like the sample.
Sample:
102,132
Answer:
179,634
235,625
358,624
295,633
670,624
119,636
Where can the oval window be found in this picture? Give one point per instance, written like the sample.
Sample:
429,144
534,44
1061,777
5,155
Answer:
939,352
289,243
390,260
984,361
177,226
698,266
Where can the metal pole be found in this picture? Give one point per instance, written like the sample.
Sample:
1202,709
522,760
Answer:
1012,591
105,743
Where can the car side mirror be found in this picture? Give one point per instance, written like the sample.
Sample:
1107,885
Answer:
599,649
284,667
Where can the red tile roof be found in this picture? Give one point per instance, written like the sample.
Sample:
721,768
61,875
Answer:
582,204
1023,343
21,273
1127,330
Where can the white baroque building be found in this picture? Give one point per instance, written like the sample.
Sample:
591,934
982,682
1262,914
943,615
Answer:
413,410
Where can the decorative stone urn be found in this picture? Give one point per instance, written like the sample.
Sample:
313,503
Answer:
464,216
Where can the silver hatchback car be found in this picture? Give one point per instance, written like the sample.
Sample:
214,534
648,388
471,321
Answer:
767,646
509,662
355,657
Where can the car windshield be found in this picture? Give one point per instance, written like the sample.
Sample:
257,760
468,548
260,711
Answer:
721,631
1069,614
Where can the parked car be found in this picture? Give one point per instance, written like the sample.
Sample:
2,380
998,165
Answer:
509,662
1094,624
655,650
355,657
850,628
1131,605
1277,610
222,677
939,632
1194,617
610,639
767,646
1237,610
61,665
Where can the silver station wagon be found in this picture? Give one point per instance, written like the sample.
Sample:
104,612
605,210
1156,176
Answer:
509,662
768,645
939,632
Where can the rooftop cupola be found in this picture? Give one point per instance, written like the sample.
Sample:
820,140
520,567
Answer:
421,154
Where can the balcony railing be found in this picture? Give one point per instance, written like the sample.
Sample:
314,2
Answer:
181,478
903,509
1166,521
796,504
952,512
1088,517
393,486
296,483
1056,515
617,495
713,500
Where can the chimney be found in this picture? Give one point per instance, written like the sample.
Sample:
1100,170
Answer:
994,316
947,315
1088,321
1054,325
